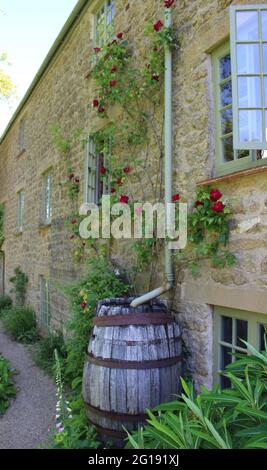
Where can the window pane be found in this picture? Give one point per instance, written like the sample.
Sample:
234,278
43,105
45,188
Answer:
247,26
226,94
226,357
227,329
228,152
264,48
248,58
249,92
225,382
241,332
263,331
242,154
227,121
264,24
225,67
250,126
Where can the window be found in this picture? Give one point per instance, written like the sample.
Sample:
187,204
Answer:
22,140
47,198
249,64
227,159
232,326
45,302
20,215
97,183
104,23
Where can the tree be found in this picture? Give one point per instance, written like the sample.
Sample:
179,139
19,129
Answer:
6,84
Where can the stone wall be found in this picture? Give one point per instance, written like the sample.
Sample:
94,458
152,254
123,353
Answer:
62,96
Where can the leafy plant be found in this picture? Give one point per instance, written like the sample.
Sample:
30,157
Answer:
5,302
99,283
20,323
72,429
20,281
234,418
7,385
44,355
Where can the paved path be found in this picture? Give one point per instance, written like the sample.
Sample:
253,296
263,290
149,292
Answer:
30,417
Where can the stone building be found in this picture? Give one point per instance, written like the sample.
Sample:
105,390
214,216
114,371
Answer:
221,305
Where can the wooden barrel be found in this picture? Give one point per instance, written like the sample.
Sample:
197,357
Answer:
133,362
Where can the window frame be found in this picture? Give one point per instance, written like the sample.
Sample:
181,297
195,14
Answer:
106,37
47,198
234,41
254,321
93,178
20,211
45,307
223,168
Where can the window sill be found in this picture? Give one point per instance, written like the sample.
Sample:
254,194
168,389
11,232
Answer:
231,176
44,225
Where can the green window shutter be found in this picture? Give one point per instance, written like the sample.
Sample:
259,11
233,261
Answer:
248,26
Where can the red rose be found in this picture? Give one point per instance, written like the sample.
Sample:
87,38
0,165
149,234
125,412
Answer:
169,3
158,26
103,170
218,206
127,170
77,180
71,176
118,181
97,50
114,68
155,77
176,197
95,104
113,190
74,221
112,82
72,237
101,110
199,203
124,199
119,35
84,305
215,195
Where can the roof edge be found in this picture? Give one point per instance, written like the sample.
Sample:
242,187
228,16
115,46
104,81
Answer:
76,12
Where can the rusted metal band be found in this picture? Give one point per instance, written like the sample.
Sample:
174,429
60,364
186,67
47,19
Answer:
155,318
114,416
117,364
108,432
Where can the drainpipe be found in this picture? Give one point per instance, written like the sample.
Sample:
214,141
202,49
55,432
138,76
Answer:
169,275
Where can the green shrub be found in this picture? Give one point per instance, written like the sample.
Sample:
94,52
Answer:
20,281
44,356
20,323
5,302
100,283
234,418
7,386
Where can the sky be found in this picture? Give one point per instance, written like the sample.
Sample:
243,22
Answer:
28,29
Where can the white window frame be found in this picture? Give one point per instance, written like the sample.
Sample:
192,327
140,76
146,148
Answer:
254,321
21,210
107,35
47,198
238,144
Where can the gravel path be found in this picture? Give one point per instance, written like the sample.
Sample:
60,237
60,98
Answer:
30,417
